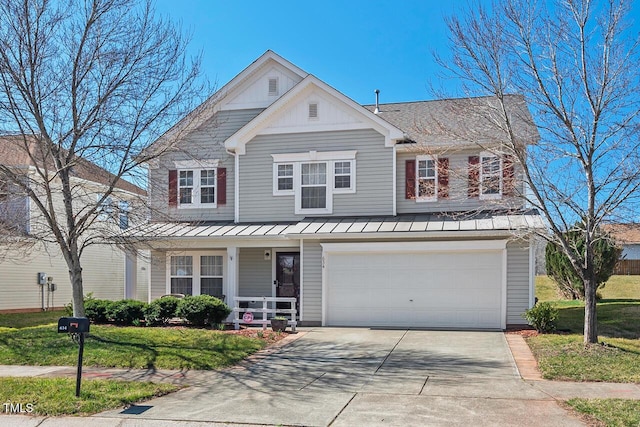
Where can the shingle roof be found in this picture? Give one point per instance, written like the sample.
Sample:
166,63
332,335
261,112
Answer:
624,233
332,227
458,120
14,152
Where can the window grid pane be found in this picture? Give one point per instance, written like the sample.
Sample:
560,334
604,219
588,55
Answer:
314,174
182,265
491,175
343,181
182,285
314,197
211,265
211,286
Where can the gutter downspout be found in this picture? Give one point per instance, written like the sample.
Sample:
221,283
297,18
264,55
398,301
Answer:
236,186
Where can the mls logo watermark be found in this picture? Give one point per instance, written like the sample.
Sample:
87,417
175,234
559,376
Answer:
17,408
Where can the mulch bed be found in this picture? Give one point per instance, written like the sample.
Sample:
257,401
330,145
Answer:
266,335
524,332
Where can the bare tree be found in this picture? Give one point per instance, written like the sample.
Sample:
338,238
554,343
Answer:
576,63
86,83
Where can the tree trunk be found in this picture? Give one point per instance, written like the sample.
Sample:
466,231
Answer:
590,313
77,292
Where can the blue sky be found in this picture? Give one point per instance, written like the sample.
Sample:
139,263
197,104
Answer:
355,46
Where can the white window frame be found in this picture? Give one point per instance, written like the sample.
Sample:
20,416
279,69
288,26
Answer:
197,166
435,178
352,174
297,185
195,277
328,157
483,196
276,190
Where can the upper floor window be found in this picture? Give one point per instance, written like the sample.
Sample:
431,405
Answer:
490,176
313,178
197,187
197,184
123,219
427,178
313,191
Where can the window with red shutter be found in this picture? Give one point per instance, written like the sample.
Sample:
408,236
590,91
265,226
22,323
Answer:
410,181
443,178
173,188
222,186
473,189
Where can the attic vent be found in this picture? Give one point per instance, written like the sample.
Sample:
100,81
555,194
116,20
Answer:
313,110
273,86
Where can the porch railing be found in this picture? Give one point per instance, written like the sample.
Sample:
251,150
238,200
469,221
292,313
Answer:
262,315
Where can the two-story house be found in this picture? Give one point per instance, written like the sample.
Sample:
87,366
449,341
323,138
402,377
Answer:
390,215
33,272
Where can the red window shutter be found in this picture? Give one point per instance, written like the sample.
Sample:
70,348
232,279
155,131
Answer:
443,178
222,186
474,176
173,188
508,175
410,175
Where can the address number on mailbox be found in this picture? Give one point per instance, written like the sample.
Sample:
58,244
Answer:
73,325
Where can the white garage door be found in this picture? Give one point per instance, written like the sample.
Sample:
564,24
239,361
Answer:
437,289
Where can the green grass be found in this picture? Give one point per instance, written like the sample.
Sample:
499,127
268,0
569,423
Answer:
56,396
127,347
618,287
611,412
563,356
25,320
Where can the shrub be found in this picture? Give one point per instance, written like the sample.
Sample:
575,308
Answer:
126,311
605,253
97,310
542,317
160,311
202,310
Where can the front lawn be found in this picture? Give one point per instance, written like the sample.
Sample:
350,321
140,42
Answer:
611,412
56,396
127,347
25,320
562,356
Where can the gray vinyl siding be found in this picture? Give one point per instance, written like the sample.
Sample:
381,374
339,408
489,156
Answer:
312,281
255,273
458,199
204,143
374,171
158,274
517,282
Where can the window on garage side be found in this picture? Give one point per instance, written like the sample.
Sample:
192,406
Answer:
427,182
490,176
343,176
313,186
211,275
283,179
182,274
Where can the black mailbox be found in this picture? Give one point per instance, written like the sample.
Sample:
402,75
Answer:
73,325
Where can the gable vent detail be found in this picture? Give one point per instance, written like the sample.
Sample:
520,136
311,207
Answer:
313,110
273,86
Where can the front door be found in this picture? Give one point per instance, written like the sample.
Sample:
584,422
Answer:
288,277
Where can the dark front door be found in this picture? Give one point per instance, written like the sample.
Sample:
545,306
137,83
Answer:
288,277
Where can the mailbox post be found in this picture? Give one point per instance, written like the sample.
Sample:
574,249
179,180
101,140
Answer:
75,326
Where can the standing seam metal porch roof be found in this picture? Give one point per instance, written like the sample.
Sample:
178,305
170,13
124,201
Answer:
401,224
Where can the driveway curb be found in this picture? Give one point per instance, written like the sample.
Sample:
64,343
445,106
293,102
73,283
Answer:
526,363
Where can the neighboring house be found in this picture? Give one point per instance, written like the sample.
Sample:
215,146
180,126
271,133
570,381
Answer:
387,215
107,272
627,236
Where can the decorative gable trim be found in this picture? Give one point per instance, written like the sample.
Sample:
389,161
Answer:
238,141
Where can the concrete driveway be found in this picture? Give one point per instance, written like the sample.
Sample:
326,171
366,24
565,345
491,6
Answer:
352,377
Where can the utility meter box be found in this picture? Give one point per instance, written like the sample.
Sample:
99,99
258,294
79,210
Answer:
73,325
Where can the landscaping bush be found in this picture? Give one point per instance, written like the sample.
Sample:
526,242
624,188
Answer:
98,310
202,310
126,311
542,317
160,311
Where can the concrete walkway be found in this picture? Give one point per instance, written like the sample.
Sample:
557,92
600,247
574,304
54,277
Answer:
347,377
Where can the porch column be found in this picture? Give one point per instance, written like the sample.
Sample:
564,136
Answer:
232,275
